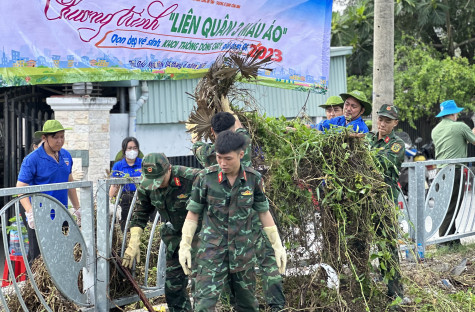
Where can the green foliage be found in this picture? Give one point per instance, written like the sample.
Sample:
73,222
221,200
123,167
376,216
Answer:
444,25
327,190
423,80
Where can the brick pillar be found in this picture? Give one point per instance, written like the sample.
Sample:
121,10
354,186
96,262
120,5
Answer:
89,141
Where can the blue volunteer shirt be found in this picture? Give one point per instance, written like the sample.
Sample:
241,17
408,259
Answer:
39,168
121,168
357,125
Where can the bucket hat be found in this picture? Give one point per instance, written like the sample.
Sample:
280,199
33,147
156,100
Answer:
154,169
51,126
448,108
334,100
361,98
389,111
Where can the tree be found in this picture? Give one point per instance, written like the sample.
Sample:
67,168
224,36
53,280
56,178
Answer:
355,28
424,79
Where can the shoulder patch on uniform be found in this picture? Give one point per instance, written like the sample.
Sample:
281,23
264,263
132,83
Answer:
396,147
246,193
181,196
251,170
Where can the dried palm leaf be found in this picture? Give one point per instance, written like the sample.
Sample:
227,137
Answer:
218,84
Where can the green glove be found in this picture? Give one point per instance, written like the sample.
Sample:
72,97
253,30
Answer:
280,255
133,249
184,254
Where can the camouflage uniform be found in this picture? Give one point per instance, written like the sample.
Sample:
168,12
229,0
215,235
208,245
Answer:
390,156
271,278
170,202
225,243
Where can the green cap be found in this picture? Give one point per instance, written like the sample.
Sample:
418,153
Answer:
361,98
154,169
51,126
334,100
388,111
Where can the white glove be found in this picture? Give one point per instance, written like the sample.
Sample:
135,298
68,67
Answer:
77,174
280,255
184,254
118,209
30,219
76,213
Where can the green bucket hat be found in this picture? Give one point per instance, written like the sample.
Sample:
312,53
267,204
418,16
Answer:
333,101
389,111
51,126
154,169
361,98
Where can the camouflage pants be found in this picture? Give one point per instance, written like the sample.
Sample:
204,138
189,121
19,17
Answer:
272,284
271,278
175,279
212,277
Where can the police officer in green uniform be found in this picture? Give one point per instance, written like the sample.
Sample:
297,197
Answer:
272,282
225,195
164,188
390,156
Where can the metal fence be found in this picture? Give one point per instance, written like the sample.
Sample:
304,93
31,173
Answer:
83,280
424,210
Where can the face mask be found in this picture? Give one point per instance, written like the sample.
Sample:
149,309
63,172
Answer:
131,154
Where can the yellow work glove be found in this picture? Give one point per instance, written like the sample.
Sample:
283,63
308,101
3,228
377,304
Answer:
280,255
133,249
184,253
194,135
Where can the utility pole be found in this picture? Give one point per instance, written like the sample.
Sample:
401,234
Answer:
383,55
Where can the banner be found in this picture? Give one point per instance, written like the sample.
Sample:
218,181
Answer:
65,41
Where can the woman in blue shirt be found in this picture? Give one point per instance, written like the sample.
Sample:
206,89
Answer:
129,166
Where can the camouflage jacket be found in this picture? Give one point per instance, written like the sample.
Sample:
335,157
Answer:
227,215
170,202
390,155
206,154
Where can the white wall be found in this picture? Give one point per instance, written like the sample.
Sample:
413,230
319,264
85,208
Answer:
119,125
171,139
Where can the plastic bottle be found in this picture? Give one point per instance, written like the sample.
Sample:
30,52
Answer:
14,241
420,252
15,248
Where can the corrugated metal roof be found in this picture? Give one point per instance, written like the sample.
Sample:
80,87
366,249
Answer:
169,103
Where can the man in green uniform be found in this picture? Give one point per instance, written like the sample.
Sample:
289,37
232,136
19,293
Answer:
205,152
390,155
272,282
224,195
451,139
164,188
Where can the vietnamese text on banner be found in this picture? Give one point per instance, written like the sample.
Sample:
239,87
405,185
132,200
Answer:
65,41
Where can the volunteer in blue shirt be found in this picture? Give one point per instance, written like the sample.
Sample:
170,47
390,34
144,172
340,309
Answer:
129,166
49,163
355,106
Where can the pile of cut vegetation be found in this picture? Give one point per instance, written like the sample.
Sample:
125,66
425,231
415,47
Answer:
329,198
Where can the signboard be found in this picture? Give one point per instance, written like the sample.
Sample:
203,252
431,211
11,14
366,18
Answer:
65,41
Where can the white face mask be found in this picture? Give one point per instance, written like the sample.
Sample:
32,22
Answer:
132,154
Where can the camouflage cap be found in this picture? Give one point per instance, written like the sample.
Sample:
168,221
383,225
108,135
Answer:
389,111
154,169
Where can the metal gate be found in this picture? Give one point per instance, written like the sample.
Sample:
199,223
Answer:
91,290
23,112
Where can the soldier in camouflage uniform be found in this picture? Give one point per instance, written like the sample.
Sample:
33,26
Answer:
224,196
272,283
390,155
164,188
